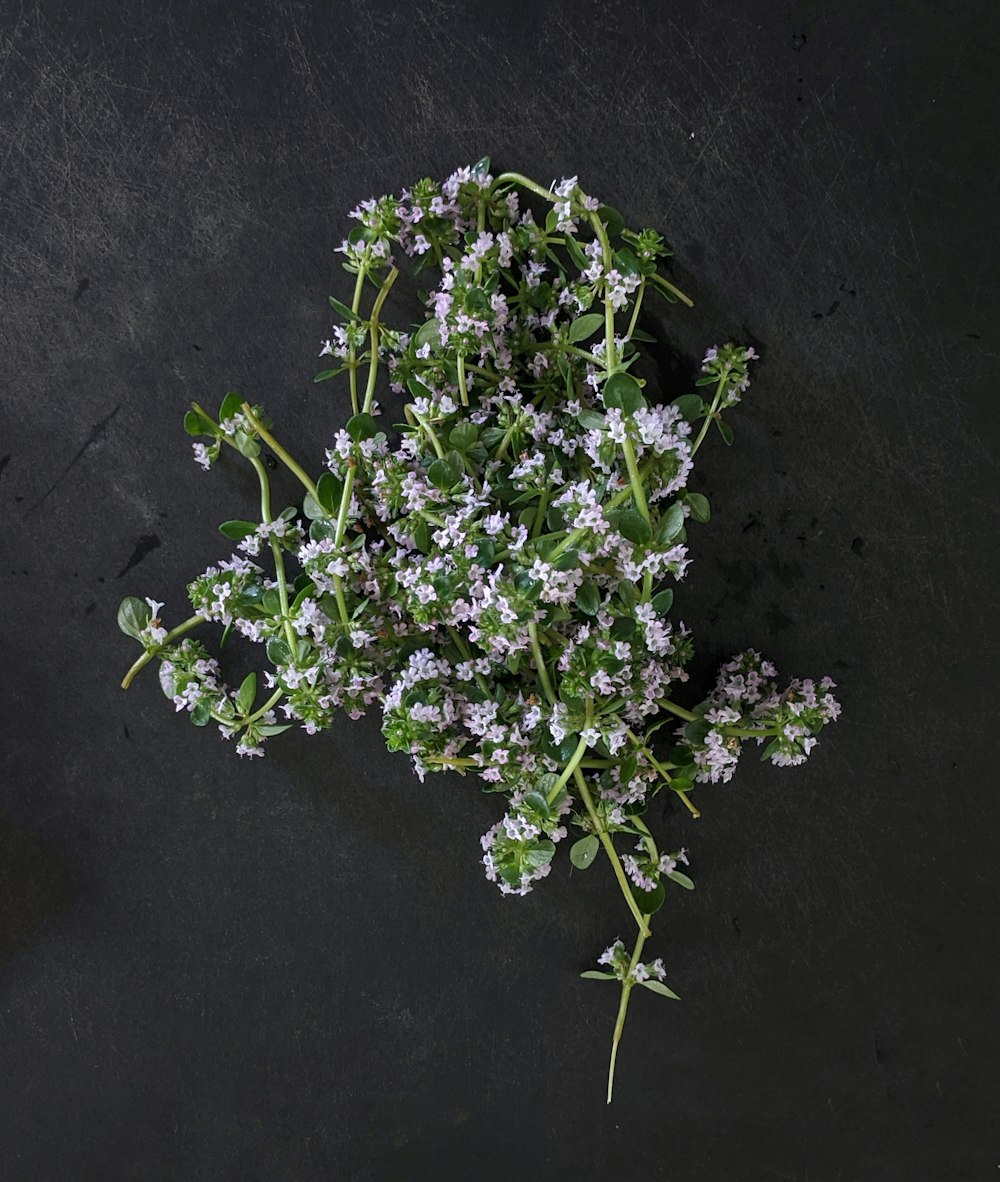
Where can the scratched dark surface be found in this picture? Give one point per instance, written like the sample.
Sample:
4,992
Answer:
295,970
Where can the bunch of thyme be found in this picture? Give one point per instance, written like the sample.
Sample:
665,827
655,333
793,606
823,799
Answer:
494,572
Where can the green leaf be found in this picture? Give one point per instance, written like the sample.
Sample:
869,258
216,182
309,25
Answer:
322,529
671,523
634,526
442,475
584,851
230,406
247,693
663,602
645,337
361,426
481,169
575,252
697,732
195,423
588,599
707,381
659,987
429,333
463,436
270,729
202,712
700,508
343,309
626,262
134,615
422,536
691,406
585,326
649,901
612,219
680,879
325,375
329,491
278,652
236,531
594,975
621,390
246,445
593,420
537,803
538,855
725,431
770,749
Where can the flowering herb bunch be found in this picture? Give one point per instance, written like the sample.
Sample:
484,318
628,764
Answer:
495,572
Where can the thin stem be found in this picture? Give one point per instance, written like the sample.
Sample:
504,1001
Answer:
576,759
668,286
518,179
543,672
609,308
710,416
635,310
352,358
271,701
678,710
466,652
279,560
576,534
609,848
150,653
543,504
296,469
463,391
431,434
634,479
373,323
627,985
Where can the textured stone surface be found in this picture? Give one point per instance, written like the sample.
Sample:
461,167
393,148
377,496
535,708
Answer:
295,970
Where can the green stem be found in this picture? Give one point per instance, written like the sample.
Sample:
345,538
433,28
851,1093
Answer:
352,358
430,432
373,324
609,849
635,310
543,504
279,560
543,672
710,416
610,361
576,534
150,653
668,286
678,710
627,986
462,388
576,759
296,469
271,701
466,652
525,183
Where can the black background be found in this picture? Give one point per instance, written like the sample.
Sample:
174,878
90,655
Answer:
295,970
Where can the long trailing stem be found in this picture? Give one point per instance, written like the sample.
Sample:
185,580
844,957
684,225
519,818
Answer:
373,322
609,848
543,673
712,410
628,984
352,358
292,465
279,559
150,653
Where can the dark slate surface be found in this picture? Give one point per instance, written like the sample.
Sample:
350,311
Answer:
295,970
